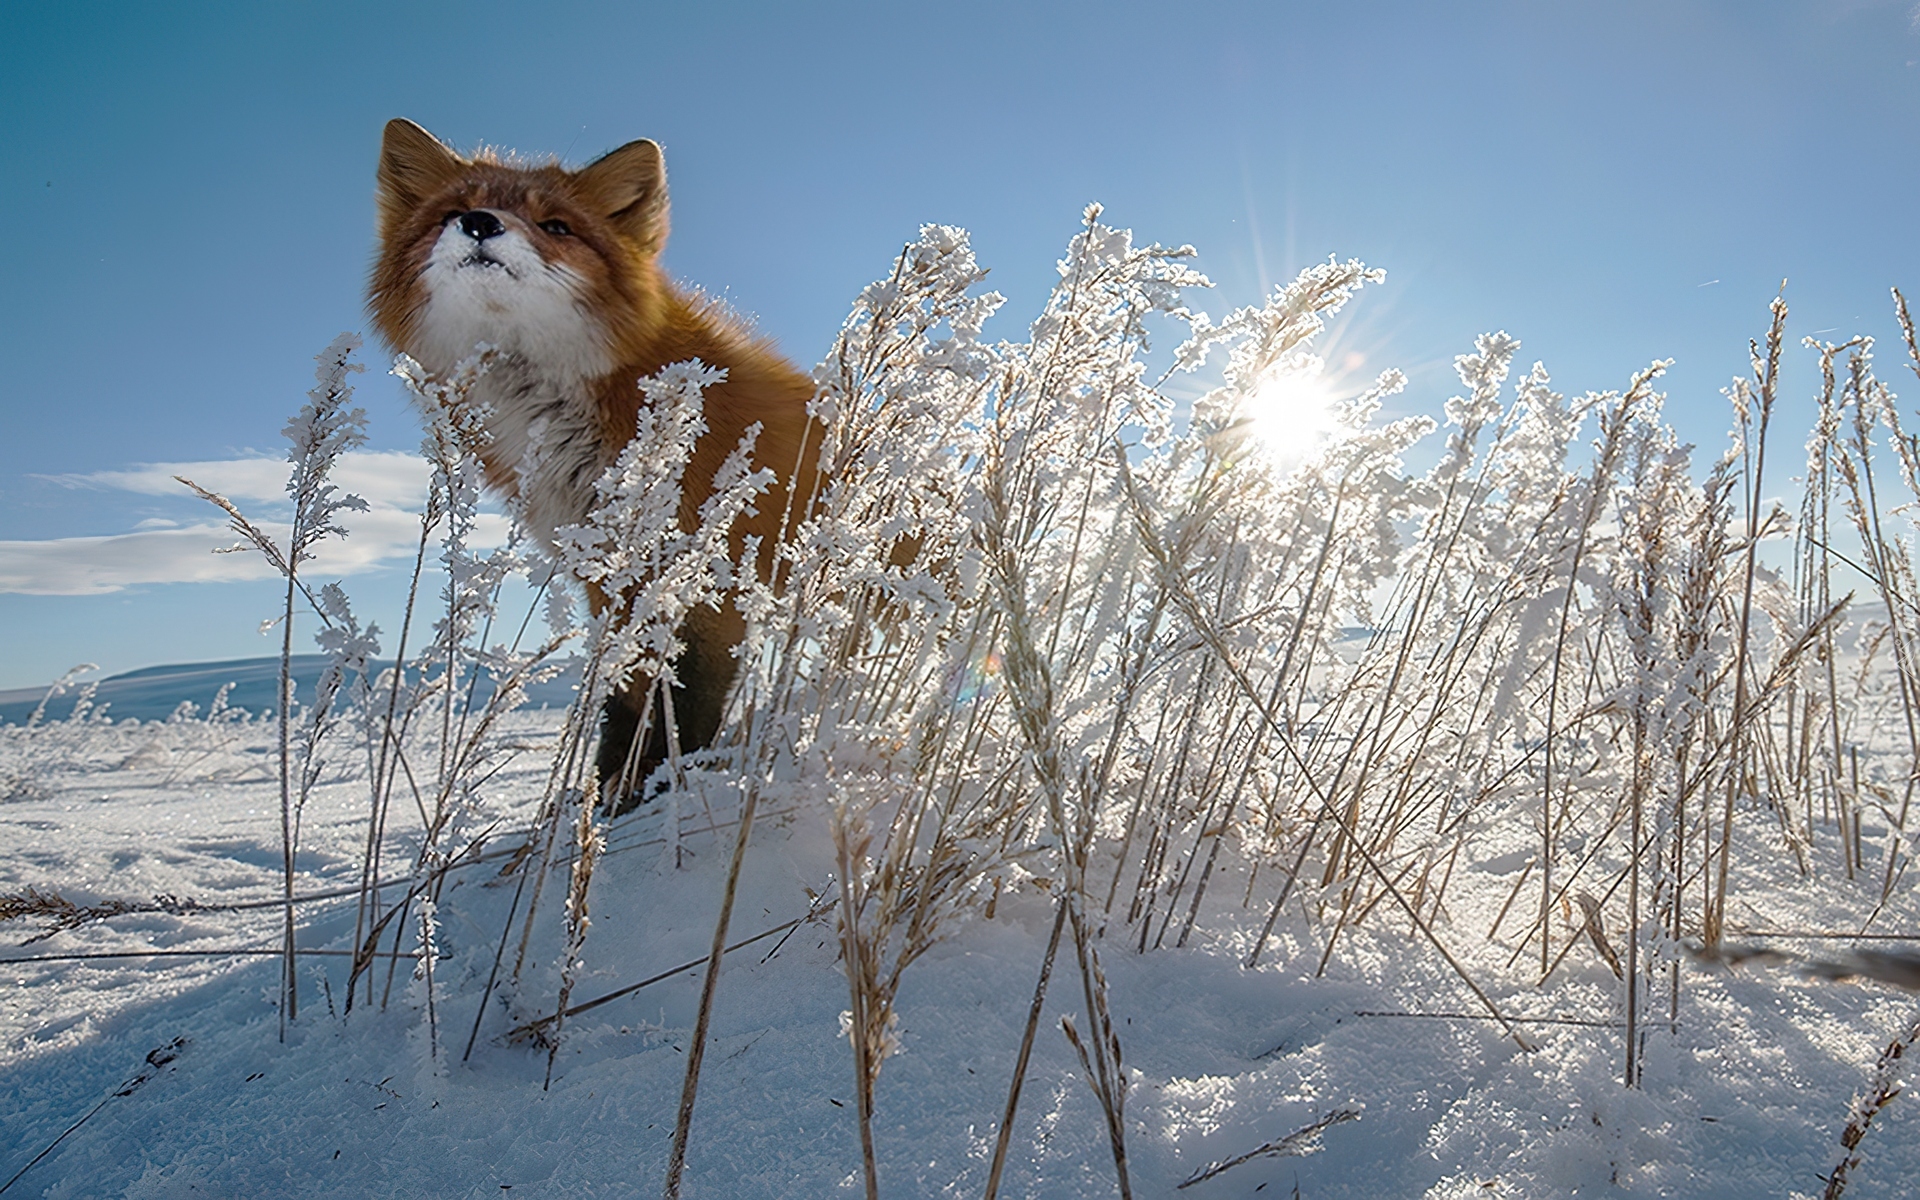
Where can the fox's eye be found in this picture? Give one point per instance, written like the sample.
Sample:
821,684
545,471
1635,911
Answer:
557,227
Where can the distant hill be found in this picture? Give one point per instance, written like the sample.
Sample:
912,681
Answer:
153,693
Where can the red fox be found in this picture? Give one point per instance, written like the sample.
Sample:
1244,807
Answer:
559,271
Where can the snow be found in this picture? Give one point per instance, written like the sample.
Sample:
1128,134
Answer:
1746,1099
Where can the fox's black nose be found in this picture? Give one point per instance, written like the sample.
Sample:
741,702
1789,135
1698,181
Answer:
481,225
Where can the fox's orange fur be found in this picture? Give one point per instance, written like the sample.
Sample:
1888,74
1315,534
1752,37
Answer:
559,270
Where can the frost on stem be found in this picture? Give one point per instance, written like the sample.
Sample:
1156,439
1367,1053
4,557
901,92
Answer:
1273,337
323,430
456,437
632,544
1883,1087
426,951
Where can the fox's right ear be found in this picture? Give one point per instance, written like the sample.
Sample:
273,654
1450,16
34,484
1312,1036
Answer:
413,165
629,187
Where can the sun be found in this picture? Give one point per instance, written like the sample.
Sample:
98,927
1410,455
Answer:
1293,411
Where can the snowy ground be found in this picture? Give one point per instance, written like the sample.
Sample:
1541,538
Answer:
1746,1100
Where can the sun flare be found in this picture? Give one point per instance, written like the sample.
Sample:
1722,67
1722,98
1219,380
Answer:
1293,412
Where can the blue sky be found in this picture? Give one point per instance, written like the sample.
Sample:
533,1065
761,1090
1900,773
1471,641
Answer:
187,200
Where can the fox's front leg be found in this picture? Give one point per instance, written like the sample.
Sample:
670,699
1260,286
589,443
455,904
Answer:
705,670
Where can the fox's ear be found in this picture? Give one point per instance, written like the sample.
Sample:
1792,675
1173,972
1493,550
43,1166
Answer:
413,165
629,186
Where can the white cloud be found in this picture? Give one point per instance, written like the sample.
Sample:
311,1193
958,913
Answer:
379,477
393,485
85,566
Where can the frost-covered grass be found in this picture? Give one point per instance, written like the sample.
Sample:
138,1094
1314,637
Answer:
1117,798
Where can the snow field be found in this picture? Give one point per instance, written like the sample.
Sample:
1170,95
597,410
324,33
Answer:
1746,1100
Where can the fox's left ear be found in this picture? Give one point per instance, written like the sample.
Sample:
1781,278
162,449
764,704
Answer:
413,165
629,187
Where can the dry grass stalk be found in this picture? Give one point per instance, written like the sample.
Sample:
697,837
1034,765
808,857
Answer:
587,846
60,915
1758,394
537,1031
1202,624
697,1044
1882,1088
900,891
1004,1135
157,1058
1299,1143
323,430
870,1020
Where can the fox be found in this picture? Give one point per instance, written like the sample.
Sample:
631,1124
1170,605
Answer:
559,271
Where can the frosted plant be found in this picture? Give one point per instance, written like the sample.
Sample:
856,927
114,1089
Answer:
57,689
1883,1086
632,545
898,404
1643,599
426,952
44,749
588,846
323,430
1050,627
455,440
457,686
647,573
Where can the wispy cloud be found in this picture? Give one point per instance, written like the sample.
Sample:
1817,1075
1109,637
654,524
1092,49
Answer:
160,551
388,477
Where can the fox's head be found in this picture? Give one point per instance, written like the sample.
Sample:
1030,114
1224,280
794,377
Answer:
557,267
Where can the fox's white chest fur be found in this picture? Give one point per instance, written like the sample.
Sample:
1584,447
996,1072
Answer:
543,417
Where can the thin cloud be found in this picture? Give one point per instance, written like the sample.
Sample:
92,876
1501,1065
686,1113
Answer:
91,566
393,484
389,477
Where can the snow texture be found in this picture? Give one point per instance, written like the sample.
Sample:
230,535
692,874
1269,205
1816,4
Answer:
1747,1099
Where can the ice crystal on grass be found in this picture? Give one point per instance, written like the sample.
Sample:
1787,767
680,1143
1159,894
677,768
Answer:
323,430
632,544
